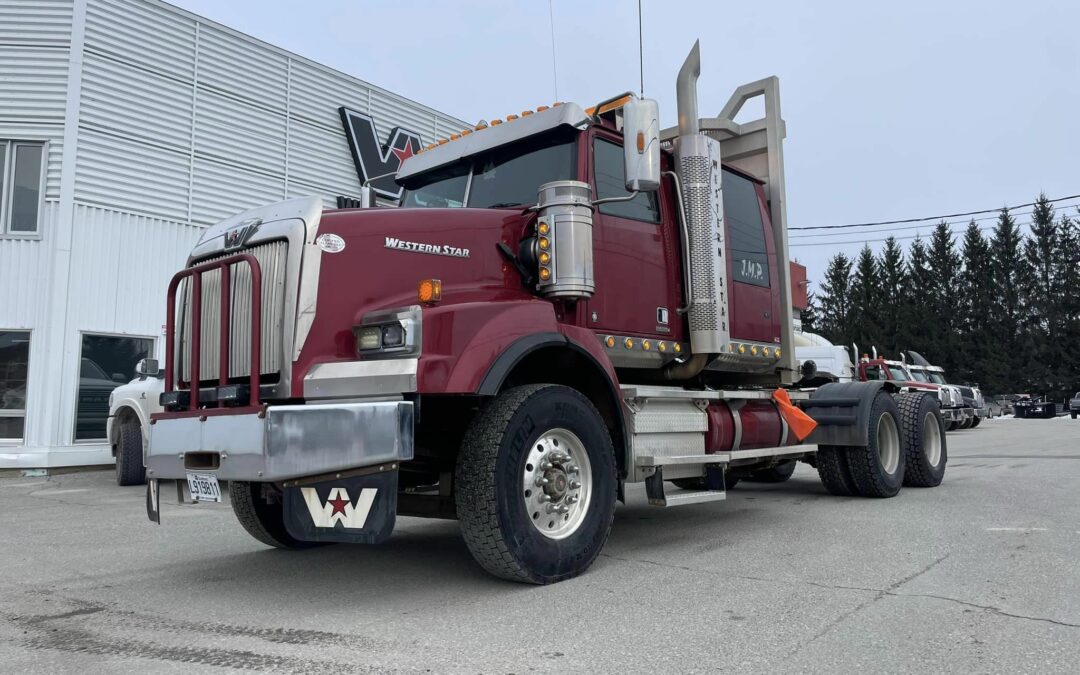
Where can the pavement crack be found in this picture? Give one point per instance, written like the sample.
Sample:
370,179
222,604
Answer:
988,608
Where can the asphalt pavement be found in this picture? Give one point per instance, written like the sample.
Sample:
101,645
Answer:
979,575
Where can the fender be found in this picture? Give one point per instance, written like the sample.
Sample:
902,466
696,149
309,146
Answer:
842,411
462,341
140,414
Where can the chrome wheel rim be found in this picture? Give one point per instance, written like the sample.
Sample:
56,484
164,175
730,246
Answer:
556,484
931,439
888,440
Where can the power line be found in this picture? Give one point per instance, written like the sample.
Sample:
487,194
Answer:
919,220
909,227
876,241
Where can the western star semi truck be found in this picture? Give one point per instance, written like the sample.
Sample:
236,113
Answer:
567,301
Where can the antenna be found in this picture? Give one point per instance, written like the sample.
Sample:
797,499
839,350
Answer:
640,50
554,70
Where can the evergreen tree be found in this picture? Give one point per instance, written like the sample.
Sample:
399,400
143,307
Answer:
893,286
1042,300
942,297
835,300
1003,326
865,310
1068,262
809,318
976,305
916,325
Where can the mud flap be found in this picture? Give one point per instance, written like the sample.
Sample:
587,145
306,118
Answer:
153,501
353,510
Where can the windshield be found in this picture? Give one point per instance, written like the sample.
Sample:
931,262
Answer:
506,176
91,371
901,373
919,376
937,378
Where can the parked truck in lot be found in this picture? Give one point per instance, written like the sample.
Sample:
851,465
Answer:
911,377
566,302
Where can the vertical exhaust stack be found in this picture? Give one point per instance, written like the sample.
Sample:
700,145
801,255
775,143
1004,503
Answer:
698,164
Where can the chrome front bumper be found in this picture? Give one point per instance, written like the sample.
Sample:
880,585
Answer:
957,414
286,441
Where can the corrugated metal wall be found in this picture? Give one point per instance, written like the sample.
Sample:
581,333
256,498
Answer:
201,122
181,123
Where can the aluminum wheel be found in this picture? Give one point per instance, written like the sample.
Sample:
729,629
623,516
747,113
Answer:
888,443
931,439
557,484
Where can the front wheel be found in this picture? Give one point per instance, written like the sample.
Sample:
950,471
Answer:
129,455
535,484
261,513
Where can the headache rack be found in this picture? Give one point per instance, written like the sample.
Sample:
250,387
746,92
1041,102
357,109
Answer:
226,394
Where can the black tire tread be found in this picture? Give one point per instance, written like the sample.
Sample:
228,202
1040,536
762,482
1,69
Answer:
262,526
834,471
129,455
918,473
778,473
474,483
864,460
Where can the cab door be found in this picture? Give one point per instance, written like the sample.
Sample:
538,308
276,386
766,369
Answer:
754,296
632,254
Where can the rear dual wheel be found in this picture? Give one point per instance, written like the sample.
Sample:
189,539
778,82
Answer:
874,470
924,431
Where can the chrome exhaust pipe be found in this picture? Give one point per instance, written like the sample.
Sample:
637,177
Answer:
686,92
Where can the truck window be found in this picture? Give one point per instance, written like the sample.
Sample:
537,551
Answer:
440,189
507,176
511,175
610,171
746,231
875,373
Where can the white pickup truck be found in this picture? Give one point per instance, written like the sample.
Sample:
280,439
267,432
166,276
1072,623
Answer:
128,428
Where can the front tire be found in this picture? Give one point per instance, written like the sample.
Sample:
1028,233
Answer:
261,517
516,525
129,455
878,468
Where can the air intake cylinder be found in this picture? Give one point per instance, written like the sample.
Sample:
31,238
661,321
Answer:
565,240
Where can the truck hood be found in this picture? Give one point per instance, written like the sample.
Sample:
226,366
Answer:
374,259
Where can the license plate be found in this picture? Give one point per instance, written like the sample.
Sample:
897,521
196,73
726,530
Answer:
204,487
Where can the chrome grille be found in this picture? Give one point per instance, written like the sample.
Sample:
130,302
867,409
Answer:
271,257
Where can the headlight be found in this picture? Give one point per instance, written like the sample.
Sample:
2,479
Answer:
390,333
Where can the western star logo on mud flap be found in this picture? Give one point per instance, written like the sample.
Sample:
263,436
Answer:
339,507
433,249
373,158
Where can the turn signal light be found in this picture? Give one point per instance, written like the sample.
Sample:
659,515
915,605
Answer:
646,345
544,243
543,228
610,342
545,274
429,291
545,258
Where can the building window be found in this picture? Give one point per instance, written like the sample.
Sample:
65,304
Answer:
22,186
14,359
610,170
106,363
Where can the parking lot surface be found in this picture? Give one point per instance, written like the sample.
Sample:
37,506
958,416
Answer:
979,575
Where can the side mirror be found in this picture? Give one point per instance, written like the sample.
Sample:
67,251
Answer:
641,144
147,367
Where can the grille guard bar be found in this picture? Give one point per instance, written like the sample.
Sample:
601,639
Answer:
195,355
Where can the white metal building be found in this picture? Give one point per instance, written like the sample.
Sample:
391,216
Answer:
126,126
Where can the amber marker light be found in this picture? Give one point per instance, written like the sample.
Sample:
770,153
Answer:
429,291
628,343
545,274
545,257
742,349
646,345
678,347
662,346
544,243
543,228
610,341
753,350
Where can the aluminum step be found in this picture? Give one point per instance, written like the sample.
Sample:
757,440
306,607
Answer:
685,497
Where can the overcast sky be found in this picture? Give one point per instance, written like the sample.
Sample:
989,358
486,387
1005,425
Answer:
893,110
